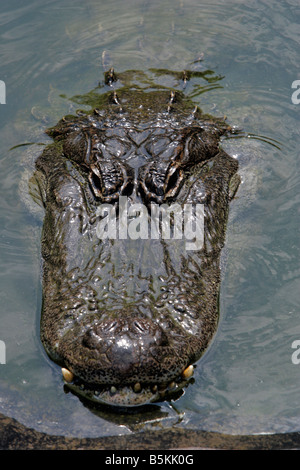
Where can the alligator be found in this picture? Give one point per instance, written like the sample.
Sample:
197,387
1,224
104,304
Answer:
127,312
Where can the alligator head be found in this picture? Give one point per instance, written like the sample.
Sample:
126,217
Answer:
130,288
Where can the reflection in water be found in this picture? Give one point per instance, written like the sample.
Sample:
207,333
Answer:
136,419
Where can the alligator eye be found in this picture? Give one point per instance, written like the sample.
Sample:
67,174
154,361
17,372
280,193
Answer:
173,182
105,181
110,179
158,182
154,183
96,182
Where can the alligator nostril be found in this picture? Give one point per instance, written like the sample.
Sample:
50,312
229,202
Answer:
140,327
96,334
108,327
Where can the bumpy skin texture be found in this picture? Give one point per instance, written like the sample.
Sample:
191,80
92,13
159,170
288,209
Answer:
121,312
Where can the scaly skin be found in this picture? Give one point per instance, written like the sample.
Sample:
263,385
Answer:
127,317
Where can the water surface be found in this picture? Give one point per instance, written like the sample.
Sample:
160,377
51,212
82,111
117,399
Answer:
246,382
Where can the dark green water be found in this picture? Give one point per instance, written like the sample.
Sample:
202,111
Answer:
246,382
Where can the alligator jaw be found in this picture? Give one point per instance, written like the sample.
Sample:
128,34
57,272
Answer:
127,395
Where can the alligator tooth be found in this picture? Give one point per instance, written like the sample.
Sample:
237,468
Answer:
137,387
172,385
154,388
67,374
188,372
113,390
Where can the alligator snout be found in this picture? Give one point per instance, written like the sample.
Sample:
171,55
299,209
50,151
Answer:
126,344
128,360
